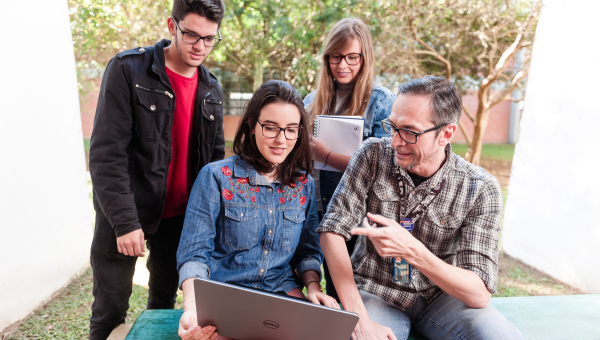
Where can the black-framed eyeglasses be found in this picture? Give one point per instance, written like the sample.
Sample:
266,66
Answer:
409,136
352,59
192,38
272,131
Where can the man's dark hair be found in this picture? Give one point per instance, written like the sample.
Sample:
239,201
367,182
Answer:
213,10
274,91
445,97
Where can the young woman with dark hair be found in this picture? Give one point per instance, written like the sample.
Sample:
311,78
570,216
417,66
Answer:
253,214
346,88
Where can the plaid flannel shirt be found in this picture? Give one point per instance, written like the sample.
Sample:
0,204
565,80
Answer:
460,226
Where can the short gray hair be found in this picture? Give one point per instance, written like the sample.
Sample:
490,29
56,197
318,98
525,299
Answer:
445,97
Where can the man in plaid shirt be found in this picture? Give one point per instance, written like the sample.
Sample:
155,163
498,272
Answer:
456,209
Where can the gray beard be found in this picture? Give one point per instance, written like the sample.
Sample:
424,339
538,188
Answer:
432,154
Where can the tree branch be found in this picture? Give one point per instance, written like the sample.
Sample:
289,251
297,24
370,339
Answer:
465,133
468,113
433,53
514,47
495,99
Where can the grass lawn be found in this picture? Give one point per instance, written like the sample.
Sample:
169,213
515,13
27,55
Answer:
489,151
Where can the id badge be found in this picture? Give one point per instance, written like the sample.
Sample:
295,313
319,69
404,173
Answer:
401,270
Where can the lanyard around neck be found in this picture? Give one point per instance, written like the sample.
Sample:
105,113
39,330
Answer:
417,211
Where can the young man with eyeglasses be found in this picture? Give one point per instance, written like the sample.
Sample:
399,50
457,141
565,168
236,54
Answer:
159,120
439,277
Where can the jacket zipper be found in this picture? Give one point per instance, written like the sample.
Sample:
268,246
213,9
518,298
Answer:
154,90
212,101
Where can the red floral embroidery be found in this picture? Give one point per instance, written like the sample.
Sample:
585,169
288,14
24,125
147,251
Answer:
294,196
293,185
252,189
227,194
282,200
226,171
243,180
242,192
257,189
303,178
253,199
302,200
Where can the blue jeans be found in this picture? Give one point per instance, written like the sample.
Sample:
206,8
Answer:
443,318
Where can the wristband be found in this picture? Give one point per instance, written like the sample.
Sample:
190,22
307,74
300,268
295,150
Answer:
326,158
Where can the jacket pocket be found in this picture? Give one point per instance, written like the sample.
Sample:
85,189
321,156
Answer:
388,201
293,221
212,116
241,226
151,112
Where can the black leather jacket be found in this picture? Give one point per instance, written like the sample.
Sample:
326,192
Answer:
130,147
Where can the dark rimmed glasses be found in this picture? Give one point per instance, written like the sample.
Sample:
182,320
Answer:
409,136
272,131
351,59
192,38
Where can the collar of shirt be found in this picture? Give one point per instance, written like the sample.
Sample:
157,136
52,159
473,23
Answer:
242,169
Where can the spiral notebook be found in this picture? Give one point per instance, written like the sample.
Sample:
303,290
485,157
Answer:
340,134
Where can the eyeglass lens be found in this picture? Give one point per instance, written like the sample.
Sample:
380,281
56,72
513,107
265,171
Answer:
192,39
351,59
408,137
272,131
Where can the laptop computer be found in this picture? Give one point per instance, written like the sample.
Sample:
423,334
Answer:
249,314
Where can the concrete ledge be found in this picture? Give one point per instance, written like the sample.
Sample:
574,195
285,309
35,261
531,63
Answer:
120,332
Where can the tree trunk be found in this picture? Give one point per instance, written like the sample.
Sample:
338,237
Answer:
474,151
258,75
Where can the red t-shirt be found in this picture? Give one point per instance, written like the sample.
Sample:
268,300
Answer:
178,191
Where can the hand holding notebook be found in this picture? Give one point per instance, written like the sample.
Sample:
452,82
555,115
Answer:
340,134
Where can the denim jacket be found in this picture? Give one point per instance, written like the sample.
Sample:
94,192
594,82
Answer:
241,229
379,108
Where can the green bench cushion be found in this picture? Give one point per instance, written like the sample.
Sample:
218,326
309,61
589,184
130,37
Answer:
537,317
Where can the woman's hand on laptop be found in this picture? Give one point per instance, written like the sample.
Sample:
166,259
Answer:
316,296
189,329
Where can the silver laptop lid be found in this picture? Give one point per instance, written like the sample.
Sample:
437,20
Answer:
247,314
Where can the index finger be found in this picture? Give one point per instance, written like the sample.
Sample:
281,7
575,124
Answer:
365,232
384,221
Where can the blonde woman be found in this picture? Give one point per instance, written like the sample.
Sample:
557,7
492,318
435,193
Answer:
346,87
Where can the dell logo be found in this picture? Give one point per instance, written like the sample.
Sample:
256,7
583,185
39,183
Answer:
271,324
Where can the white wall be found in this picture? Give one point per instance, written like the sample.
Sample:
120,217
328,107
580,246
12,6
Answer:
45,225
551,220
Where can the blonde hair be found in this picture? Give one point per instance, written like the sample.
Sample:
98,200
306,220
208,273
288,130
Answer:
338,39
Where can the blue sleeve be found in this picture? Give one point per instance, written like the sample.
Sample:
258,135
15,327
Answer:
308,254
309,98
382,111
199,228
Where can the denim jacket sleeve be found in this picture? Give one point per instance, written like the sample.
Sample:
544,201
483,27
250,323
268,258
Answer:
308,254
381,109
199,228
